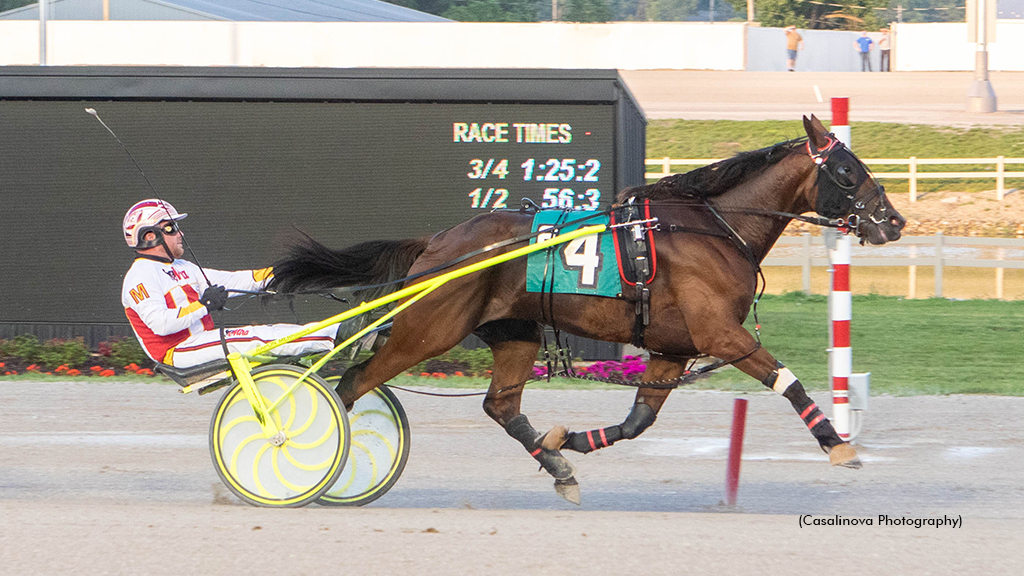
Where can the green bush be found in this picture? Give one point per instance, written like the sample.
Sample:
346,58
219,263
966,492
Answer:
25,347
128,351
57,352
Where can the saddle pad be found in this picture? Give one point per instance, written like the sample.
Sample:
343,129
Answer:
585,265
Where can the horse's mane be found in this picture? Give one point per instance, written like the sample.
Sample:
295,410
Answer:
714,179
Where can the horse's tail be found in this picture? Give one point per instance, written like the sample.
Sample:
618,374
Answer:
311,266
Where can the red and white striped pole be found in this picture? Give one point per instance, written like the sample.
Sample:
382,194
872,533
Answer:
840,314
841,303
841,120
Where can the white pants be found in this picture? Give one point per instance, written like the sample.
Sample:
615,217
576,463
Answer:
206,347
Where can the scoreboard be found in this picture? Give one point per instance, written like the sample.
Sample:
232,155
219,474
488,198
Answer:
256,156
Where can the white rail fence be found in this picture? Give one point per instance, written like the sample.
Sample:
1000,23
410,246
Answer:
912,174
939,251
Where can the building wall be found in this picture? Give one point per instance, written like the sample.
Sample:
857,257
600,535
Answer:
626,46
824,51
944,47
619,45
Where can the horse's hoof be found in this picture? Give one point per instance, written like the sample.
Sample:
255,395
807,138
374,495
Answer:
569,489
844,455
554,439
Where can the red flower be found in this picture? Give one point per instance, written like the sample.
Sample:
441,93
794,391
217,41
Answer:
107,372
74,372
132,367
96,368
2,364
144,372
31,367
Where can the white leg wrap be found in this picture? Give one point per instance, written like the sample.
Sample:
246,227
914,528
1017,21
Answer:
786,377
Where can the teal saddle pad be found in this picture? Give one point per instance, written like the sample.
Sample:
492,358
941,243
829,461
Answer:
585,265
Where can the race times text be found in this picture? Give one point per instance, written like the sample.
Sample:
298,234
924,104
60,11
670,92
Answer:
550,170
512,132
562,198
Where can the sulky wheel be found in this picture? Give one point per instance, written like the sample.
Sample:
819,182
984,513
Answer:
380,449
314,450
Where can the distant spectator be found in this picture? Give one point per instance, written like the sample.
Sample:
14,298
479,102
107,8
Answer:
883,48
863,46
794,42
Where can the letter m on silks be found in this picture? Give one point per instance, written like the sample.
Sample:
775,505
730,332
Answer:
585,265
139,293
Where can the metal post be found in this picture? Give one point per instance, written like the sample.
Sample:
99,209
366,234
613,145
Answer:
750,10
666,166
938,264
711,12
981,98
42,32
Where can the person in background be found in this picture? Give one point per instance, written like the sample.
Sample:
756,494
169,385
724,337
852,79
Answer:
883,49
794,43
863,47
168,300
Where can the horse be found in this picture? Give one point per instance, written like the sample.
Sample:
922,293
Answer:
715,225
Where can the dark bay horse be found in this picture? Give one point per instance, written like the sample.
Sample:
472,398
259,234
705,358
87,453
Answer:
701,295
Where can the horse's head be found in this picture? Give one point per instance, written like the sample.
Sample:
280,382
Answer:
846,189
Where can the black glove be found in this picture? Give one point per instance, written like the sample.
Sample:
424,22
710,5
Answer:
214,298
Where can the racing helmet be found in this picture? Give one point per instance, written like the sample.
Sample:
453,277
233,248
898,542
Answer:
145,217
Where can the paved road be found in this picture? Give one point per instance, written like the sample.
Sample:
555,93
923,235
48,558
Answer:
909,97
115,478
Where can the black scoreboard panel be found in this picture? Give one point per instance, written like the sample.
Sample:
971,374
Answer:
255,169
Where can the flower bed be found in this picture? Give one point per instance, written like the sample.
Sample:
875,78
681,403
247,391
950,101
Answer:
25,354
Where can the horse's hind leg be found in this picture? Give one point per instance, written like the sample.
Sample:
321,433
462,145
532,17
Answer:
643,413
514,344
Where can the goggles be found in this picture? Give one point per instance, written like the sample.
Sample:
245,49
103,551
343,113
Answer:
169,228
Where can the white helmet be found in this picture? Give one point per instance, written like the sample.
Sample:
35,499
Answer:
145,217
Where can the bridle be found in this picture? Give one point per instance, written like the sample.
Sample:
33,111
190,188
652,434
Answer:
837,199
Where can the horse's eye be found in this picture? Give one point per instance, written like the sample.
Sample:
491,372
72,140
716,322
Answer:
844,174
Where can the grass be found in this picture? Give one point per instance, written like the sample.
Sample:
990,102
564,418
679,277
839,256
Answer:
723,138
931,346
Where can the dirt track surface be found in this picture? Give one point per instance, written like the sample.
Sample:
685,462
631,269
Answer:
905,97
115,478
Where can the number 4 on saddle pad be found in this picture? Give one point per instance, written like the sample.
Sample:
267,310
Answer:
585,265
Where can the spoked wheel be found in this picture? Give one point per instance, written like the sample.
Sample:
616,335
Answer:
380,449
314,448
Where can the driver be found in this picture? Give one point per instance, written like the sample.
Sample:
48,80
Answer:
161,297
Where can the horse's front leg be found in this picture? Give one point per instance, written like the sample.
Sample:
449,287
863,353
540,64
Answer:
643,413
736,342
513,366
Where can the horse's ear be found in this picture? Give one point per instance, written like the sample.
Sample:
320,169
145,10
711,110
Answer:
815,131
